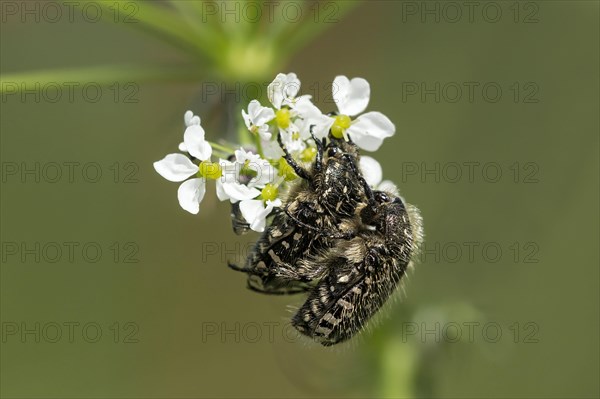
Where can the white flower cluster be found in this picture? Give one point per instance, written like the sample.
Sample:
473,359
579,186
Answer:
257,177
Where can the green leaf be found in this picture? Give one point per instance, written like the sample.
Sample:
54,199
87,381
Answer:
314,24
163,22
193,14
102,75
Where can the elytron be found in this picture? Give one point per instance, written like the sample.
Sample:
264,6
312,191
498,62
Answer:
338,240
362,272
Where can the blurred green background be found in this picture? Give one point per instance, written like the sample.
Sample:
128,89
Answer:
176,308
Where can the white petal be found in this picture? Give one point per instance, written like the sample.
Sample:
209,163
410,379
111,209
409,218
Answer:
264,132
275,90
283,89
261,218
193,133
247,119
221,194
290,89
311,116
264,116
239,192
187,117
369,130
292,85
241,156
305,108
389,187
320,126
175,167
339,90
195,143
190,194
229,168
190,119
259,114
230,174
230,171
182,147
291,144
371,170
274,204
252,211
302,127
265,173
351,96
255,212
271,149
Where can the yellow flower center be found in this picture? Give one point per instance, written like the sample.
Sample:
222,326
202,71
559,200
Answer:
340,124
269,193
286,170
308,154
210,170
295,135
282,118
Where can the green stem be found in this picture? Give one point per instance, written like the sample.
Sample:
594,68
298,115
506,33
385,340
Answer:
398,364
221,154
221,147
243,135
258,143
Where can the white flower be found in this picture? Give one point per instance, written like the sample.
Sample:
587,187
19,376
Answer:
257,118
256,211
373,174
229,186
352,97
241,156
265,172
193,138
283,90
178,167
294,116
235,187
